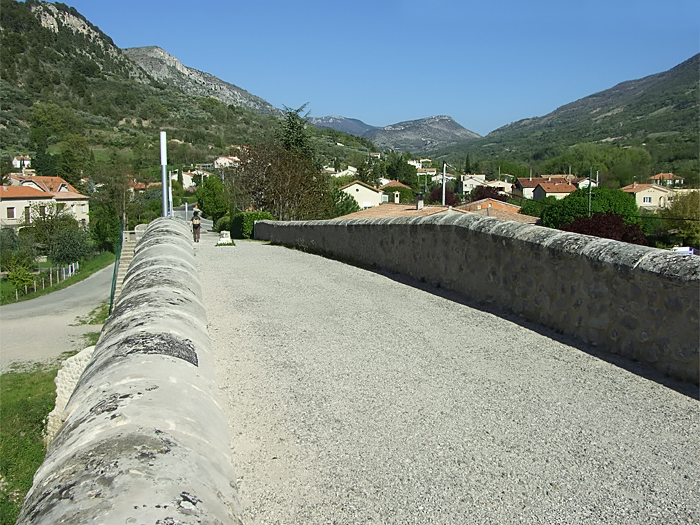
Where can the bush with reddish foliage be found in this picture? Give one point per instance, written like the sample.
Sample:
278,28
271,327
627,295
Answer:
487,192
608,226
435,197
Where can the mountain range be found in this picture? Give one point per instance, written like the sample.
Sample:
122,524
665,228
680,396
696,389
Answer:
421,135
51,54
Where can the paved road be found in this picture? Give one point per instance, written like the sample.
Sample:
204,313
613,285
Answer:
354,398
40,329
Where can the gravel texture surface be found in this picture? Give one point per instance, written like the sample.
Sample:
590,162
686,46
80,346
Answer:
353,397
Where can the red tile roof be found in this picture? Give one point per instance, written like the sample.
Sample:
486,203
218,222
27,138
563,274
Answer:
635,188
394,184
360,183
394,210
557,187
48,184
69,196
472,206
530,183
664,176
23,192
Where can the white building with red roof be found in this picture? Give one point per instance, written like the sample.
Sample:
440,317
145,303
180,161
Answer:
666,179
650,196
17,199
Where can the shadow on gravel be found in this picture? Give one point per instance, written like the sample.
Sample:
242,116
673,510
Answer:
635,367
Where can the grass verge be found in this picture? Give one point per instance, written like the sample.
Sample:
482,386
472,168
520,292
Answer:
26,398
7,292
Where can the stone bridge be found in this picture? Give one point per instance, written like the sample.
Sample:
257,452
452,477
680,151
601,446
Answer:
383,391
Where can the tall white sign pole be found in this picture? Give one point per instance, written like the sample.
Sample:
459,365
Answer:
444,173
163,171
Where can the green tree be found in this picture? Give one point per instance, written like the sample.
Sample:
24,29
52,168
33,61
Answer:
16,250
69,246
683,218
109,200
603,200
294,137
287,185
535,208
47,219
467,165
344,203
74,158
398,169
212,199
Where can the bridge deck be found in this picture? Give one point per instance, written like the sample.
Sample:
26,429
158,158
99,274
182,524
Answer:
353,397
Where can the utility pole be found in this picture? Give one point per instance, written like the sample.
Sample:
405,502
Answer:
170,193
590,176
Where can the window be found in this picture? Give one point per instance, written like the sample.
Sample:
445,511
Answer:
10,213
42,211
647,200
27,214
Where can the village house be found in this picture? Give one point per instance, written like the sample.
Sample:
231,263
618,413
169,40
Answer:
226,161
63,194
666,179
21,162
16,203
650,196
350,171
18,198
366,196
468,182
525,186
500,186
559,190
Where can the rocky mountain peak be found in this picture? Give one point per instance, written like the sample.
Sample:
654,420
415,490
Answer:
168,70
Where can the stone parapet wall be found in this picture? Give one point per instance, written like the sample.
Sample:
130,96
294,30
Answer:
642,303
144,439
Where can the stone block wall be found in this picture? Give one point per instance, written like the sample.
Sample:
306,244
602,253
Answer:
639,302
143,437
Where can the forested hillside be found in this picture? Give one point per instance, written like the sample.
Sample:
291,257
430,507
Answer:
68,91
636,128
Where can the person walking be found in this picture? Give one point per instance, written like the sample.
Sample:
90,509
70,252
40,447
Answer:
196,224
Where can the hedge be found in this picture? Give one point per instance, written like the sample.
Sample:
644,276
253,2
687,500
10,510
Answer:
242,223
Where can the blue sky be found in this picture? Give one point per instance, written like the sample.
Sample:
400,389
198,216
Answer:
485,63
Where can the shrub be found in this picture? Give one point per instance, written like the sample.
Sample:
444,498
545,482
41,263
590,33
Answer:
608,226
224,223
435,197
603,200
242,223
486,192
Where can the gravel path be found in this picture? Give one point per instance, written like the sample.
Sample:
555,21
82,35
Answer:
41,329
354,398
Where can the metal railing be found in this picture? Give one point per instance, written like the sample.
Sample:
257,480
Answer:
116,267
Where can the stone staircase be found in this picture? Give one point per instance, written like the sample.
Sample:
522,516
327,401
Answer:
128,247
